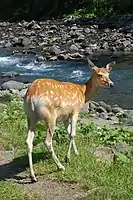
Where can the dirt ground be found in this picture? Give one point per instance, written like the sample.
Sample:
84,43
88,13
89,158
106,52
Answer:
44,189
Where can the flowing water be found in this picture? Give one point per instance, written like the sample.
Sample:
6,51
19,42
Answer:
78,72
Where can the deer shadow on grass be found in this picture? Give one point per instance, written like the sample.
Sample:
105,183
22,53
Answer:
13,169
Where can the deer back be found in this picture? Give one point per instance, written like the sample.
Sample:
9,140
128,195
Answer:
50,97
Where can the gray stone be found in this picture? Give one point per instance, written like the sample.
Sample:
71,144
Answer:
87,30
35,26
103,115
100,109
12,85
126,43
10,74
88,51
55,50
122,147
53,27
105,154
76,55
6,156
121,115
8,44
117,110
62,57
53,58
92,106
40,58
74,27
105,106
95,103
81,38
2,106
26,41
73,48
22,92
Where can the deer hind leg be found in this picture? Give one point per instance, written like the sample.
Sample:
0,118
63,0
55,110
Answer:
29,141
48,142
71,128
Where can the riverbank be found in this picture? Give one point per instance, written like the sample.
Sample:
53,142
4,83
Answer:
98,112
101,169
68,39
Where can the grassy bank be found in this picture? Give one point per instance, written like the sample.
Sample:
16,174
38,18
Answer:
102,181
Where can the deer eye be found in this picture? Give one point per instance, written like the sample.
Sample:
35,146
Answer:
100,75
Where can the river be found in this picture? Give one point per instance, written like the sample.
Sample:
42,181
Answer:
78,72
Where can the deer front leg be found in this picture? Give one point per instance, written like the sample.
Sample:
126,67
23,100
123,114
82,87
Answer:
72,131
48,142
68,128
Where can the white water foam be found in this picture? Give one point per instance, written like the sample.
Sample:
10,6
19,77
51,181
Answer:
9,60
26,65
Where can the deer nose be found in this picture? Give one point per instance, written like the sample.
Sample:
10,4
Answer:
111,84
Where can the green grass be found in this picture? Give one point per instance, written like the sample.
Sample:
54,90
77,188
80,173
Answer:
102,181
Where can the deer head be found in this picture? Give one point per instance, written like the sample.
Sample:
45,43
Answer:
100,76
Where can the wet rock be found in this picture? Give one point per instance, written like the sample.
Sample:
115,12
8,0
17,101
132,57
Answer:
53,58
76,55
62,57
105,154
100,109
40,59
55,50
10,74
117,109
12,85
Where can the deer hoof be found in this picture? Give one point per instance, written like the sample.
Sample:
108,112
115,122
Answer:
61,167
33,179
67,160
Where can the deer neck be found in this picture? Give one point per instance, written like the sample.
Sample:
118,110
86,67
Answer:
91,88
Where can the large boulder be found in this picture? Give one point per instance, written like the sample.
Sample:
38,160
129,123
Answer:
12,85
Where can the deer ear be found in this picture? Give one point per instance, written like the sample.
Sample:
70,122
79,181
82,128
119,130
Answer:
91,64
109,66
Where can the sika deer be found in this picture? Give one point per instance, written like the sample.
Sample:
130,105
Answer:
52,101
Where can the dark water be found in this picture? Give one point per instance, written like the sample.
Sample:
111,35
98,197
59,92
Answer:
78,72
